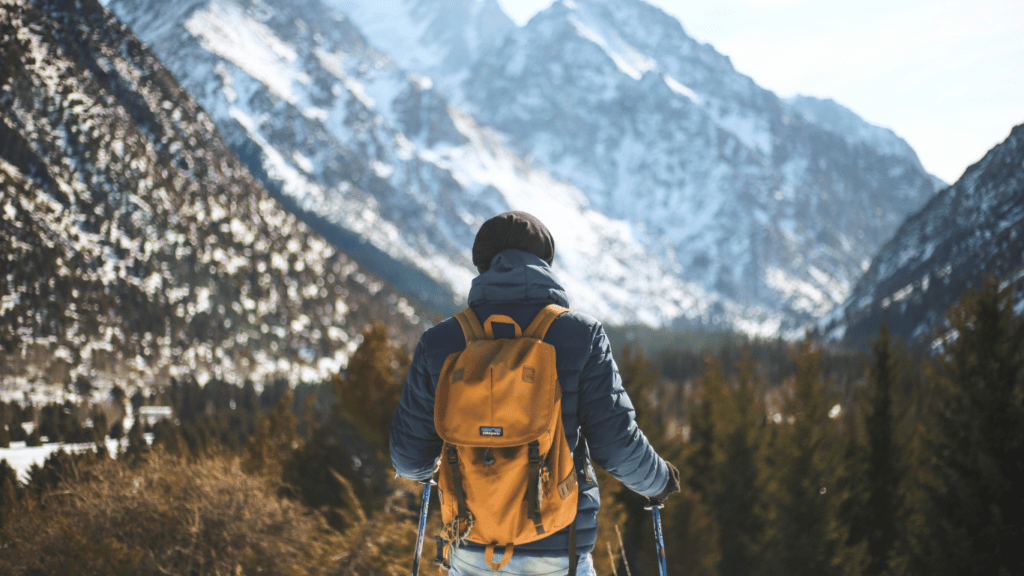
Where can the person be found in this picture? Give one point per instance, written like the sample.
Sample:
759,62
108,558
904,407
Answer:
513,252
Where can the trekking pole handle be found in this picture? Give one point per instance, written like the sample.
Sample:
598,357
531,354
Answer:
652,503
655,507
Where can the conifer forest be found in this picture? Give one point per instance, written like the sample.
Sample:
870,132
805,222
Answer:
796,458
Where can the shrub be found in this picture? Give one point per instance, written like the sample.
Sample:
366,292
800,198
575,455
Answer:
167,516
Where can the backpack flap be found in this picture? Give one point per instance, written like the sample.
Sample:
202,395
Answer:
498,393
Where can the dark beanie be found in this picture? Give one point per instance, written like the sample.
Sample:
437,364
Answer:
517,230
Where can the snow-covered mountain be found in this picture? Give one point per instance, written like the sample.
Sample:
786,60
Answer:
970,230
135,246
761,201
375,155
439,40
677,189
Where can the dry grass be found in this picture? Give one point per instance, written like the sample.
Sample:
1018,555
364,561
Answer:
172,516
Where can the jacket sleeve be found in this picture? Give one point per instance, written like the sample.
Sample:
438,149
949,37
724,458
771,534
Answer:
609,424
415,444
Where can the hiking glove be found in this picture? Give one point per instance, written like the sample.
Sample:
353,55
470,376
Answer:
673,483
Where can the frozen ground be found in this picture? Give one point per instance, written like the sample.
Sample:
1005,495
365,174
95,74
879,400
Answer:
22,457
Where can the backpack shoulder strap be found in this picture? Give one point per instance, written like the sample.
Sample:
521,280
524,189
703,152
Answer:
539,327
471,327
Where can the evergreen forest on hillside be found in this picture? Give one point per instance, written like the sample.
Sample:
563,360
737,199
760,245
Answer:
797,459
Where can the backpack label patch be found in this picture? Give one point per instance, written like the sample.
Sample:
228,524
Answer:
458,375
491,431
529,374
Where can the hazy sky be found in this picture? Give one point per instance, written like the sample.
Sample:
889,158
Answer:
946,75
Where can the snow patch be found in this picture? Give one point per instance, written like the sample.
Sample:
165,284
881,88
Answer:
753,132
227,31
680,89
627,59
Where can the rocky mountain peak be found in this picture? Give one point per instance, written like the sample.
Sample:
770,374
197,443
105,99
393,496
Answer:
439,39
677,180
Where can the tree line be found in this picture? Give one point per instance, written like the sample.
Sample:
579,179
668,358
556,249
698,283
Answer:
910,464
796,459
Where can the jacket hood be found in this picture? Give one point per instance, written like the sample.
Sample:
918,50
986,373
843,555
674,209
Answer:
517,277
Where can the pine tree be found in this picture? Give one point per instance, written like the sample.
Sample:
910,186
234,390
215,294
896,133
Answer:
6,419
879,485
8,490
99,426
743,497
809,539
704,452
34,439
274,441
975,442
322,472
170,437
369,391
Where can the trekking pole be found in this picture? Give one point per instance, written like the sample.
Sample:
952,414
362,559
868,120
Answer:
423,524
655,507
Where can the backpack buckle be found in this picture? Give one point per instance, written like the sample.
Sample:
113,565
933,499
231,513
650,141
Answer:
534,452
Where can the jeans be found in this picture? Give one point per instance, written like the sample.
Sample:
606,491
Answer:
472,562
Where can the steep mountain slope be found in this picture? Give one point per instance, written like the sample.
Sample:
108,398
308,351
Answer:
380,161
837,119
759,203
831,116
973,228
433,39
135,246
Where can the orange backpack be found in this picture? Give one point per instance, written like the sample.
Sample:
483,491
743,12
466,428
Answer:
506,472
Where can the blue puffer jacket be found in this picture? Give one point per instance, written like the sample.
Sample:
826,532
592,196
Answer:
518,284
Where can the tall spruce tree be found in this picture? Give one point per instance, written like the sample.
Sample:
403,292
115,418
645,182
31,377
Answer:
369,391
742,502
878,463
694,515
975,442
9,488
809,539
340,468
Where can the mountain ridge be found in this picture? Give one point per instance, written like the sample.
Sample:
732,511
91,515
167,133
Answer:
967,230
137,247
